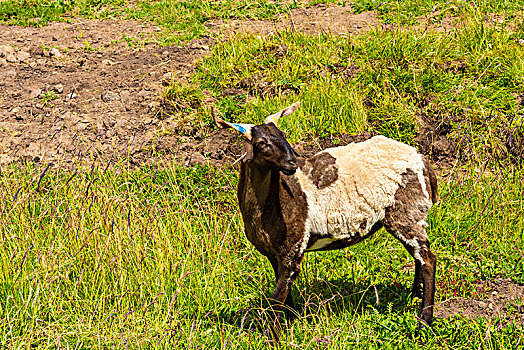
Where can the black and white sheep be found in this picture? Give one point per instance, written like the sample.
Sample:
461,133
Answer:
332,200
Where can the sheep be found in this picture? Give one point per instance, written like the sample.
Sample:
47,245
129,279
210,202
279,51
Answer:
334,199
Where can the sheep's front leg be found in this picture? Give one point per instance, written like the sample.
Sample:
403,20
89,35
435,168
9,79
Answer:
286,275
290,305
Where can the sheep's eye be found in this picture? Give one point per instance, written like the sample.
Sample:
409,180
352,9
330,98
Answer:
262,144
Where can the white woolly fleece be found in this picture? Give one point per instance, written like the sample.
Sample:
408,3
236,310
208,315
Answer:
369,174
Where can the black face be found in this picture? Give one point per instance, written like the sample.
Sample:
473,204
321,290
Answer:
271,149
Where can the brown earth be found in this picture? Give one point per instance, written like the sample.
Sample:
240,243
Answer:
319,18
106,93
505,303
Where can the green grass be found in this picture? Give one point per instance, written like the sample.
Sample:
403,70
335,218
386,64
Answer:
382,81
409,12
157,255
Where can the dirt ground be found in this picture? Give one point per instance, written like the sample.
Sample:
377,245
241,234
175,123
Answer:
504,304
106,96
320,18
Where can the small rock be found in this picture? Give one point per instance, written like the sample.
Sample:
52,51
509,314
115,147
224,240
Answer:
23,55
55,52
196,158
147,120
153,106
126,99
143,94
167,78
59,88
119,126
35,93
81,126
6,50
107,62
15,110
110,96
10,74
100,125
11,58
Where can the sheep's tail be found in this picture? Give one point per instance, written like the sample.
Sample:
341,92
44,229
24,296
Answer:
432,177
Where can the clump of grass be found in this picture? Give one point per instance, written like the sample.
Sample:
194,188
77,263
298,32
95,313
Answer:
183,97
48,96
409,12
184,104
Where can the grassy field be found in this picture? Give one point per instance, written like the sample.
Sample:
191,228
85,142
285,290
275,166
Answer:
155,257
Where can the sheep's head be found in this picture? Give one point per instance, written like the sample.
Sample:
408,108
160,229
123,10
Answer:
266,146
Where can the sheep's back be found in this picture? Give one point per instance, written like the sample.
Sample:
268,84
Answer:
349,188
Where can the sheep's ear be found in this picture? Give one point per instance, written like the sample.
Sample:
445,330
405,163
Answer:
286,111
247,150
244,129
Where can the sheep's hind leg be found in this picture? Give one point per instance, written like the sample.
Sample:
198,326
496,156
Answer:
417,281
416,242
406,220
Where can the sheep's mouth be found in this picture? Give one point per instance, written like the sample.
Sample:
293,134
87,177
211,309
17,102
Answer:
287,171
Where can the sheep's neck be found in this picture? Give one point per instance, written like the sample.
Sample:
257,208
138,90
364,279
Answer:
260,188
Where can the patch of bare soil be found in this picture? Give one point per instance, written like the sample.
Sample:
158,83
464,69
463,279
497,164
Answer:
73,92
505,302
433,141
311,20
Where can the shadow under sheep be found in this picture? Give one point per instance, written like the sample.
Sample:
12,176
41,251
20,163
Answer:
337,295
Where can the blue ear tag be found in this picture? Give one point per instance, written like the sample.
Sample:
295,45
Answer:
240,128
